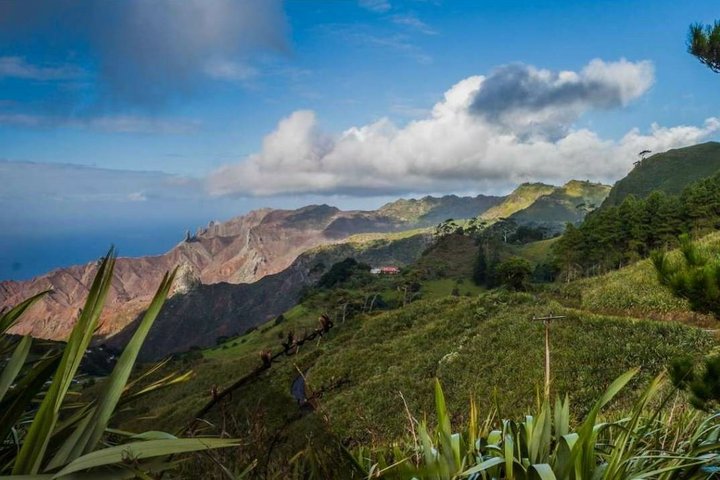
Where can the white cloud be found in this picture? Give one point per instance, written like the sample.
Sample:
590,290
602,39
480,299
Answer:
18,67
230,71
412,21
104,123
482,136
379,6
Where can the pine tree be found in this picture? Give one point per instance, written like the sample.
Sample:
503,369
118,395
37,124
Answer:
704,44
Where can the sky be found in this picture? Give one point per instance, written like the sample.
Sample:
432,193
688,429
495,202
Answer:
130,122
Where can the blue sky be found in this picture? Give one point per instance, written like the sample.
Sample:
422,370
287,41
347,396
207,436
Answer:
206,109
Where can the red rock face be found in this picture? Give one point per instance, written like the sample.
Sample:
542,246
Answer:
242,250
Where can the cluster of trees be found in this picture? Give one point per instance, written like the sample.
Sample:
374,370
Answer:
343,271
617,235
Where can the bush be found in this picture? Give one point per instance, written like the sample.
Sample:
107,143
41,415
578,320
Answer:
515,273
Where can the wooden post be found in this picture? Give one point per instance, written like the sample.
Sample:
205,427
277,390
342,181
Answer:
547,359
546,321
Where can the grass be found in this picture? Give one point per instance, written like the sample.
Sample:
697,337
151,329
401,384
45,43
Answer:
484,347
561,205
535,252
362,238
435,289
635,291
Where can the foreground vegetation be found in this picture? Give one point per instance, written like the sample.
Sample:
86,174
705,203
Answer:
47,433
648,442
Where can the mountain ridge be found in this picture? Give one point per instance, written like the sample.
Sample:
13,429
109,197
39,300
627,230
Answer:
239,254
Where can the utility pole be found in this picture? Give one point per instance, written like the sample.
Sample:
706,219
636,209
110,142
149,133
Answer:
546,321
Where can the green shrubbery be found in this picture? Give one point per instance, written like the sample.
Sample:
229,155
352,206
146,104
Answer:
648,442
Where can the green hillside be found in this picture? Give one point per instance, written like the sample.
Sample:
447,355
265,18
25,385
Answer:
669,172
569,203
485,346
635,291
432,210
479,344
520,198
535,252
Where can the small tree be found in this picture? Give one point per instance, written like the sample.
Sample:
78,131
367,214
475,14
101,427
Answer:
480,269
695,277
704,44
515,273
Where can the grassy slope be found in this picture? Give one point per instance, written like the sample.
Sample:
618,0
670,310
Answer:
535,252
636,292
561,206
670,171
451,256
487,347
483,345
521,198
432,210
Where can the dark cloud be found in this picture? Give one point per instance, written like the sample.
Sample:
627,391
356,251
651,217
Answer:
514,87
520,95
147,52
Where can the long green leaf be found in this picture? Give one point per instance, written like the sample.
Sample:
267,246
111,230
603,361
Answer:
113,388
486,465
583,452
14,365
541,471
8,319
18,400
141,450
32,453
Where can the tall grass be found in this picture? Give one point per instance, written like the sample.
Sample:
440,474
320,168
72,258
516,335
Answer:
655,442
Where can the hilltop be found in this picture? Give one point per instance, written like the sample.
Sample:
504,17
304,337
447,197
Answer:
428,210
668,172
569,203
520,198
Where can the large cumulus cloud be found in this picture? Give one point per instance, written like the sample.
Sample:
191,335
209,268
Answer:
487,133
